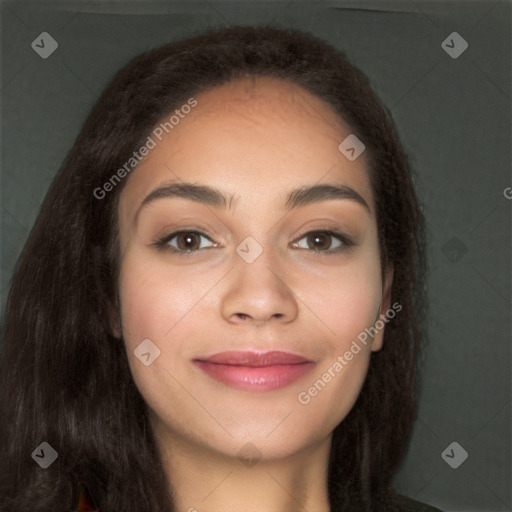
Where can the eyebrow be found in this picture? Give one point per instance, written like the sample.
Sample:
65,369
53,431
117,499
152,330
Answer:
214,197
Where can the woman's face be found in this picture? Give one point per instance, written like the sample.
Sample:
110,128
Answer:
253,307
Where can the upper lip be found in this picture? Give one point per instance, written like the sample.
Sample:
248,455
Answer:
255,359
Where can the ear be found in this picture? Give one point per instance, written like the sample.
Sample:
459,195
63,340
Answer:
385,305
113,320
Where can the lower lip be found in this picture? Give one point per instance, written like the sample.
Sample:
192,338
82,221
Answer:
261,378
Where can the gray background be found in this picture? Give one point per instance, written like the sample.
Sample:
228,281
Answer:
454,118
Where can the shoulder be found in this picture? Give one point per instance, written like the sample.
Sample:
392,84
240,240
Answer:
409,505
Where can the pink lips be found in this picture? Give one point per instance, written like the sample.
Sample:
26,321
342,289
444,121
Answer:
255,371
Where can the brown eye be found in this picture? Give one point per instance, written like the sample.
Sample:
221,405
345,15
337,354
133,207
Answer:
188,240
319,241
183,241
322,241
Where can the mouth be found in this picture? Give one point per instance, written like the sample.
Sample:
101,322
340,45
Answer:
255,371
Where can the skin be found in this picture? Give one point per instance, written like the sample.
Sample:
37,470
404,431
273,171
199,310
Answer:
256,139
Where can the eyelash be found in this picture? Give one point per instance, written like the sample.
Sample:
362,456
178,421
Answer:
346,242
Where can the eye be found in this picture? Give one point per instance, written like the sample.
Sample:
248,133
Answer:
322,241
186,241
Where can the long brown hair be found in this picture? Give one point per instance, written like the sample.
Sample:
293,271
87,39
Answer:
65,379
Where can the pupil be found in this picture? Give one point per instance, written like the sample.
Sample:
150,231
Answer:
321,238
188,240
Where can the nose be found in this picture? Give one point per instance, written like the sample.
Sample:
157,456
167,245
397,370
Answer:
258,292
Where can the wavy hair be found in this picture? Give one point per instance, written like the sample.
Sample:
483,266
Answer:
65,379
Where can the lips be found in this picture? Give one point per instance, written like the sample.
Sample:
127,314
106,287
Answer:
255,359
255,371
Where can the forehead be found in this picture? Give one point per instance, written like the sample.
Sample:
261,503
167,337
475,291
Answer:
255,94
255,138
265,104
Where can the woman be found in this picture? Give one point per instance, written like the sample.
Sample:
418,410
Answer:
219,305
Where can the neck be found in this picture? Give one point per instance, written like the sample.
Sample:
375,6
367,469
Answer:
203,480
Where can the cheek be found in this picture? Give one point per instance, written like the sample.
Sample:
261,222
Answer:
156,305
167,306
347,300
358,299
347,309
154,299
